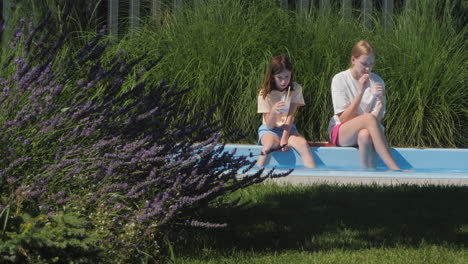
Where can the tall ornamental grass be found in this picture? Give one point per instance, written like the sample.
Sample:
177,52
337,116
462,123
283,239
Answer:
223,47
425,64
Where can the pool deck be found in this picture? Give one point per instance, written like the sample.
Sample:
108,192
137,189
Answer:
346,180
427,166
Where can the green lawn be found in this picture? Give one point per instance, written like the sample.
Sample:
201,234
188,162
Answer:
336,224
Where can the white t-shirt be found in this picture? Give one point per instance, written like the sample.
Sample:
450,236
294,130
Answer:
344,88
265,105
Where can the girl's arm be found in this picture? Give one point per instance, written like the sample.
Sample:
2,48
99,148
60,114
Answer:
378,112
288,124
351,111
270,118
380,104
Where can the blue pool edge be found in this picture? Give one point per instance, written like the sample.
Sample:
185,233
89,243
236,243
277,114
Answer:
435,163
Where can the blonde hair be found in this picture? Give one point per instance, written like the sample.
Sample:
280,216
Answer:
361,47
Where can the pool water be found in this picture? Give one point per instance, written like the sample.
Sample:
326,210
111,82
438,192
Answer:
334,161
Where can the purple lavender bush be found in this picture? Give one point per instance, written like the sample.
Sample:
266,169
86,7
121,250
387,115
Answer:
78,138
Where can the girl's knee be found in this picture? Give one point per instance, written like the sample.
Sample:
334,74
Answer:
269,142
370,119
270,145
364,137
300,143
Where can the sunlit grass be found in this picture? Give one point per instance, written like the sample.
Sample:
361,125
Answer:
425,254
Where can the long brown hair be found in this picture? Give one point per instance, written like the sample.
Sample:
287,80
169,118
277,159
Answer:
277,65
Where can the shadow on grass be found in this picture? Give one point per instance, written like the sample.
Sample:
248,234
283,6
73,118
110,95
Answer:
325,217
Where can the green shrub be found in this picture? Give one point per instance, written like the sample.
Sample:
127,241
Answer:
62,238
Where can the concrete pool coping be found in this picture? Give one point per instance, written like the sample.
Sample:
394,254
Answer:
354,180
338,165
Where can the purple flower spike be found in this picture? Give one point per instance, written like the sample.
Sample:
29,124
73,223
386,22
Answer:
82,132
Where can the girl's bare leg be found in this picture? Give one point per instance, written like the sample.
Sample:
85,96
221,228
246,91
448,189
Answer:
349,131
269,141
300,144
366,149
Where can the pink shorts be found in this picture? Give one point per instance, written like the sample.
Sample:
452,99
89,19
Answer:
334,135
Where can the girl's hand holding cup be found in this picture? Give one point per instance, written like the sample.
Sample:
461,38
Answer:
377,89
279,107
286,103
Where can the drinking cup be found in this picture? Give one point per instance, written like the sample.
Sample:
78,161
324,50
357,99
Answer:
287,103
375,92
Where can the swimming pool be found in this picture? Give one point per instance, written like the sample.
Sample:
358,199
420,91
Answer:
344,162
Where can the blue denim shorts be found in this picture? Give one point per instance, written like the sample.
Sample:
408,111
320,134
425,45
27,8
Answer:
278,131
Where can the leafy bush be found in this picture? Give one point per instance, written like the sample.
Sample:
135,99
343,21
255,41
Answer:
60,238
77,137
